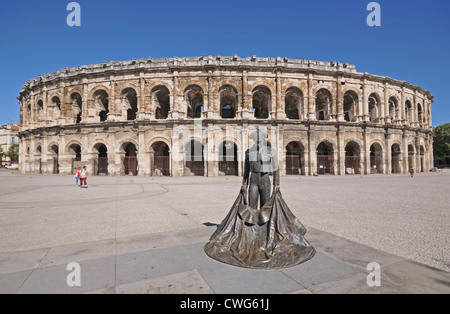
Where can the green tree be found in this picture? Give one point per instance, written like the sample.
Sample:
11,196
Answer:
441,140
13,153
1,153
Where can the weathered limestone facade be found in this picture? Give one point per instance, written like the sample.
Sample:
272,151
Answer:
142,117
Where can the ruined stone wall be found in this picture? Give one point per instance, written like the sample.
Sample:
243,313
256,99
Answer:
368,124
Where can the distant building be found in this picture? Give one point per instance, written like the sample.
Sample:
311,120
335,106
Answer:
8,136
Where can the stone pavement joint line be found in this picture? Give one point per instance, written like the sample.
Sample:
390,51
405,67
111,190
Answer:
174,262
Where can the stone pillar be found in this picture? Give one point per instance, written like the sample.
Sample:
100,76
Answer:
176,102
402,106
366,154
365,104
341,151
340,100
247,97
311,101
280,114
312,150
142,156
386,104
141,99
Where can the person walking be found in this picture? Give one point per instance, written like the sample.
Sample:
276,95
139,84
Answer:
411,172
83,178
77,176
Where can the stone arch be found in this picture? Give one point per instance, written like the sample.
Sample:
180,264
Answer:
53,148
325,157
229,101
194,157
38,149
294,103
269,84
420,115
227,82
297,139
324,104
350,105
352,157
184,86
98,142
376,157
228,152
56,101
394,110
194,97
124,142
295,158
160,159
76,101
157,139
130,102
396,153
101,100
262,101
160,97
374,105
409,111
97,88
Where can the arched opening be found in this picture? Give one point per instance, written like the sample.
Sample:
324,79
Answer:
293,103
420,113
228,102
77,106
194,101
352,158
350,105
40,104
228,159
376,158
325,158
101,166
130,159
261,101
422,159
161,100
101,100
56,102
129,97
374,108
393,109
54,151
408,111
395,158
411,155
294,159
75,151
161,159
194,159
324,102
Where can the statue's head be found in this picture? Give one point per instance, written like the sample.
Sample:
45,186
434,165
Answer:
259,138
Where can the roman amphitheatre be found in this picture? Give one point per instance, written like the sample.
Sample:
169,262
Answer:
193,116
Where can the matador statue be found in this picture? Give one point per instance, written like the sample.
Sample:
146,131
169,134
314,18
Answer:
265,235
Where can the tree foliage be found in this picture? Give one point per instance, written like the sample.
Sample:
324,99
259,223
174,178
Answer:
13,153
442,140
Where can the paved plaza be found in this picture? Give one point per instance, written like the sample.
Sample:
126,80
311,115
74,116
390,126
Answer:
146,235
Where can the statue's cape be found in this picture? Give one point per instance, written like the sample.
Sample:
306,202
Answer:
271,237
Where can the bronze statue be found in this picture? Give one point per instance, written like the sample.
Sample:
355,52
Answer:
266,238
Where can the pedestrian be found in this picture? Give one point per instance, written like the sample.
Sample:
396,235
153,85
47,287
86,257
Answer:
411,172
83,178
77,176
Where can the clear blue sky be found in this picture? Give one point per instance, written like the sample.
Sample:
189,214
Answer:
413,43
